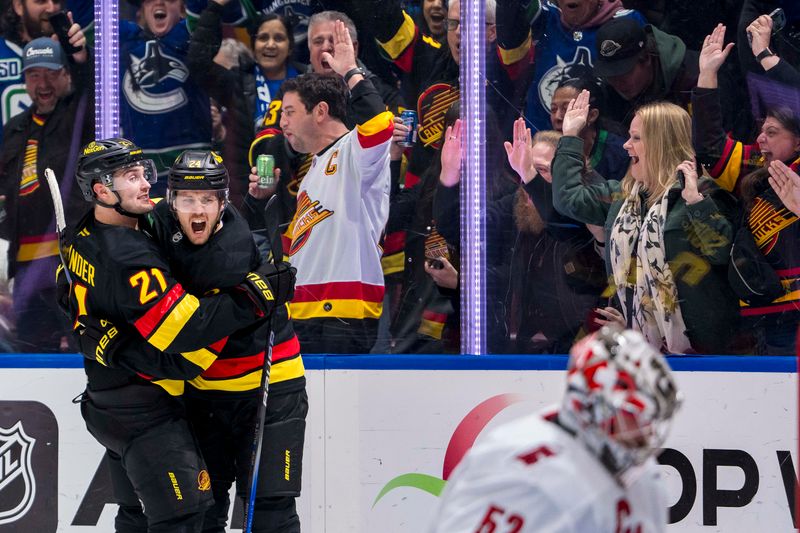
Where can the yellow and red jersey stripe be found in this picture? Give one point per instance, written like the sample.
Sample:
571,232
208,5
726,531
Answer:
376,130
37,247
238,374
343,299
164,320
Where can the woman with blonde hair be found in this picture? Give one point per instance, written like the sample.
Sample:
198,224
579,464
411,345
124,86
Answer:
668,232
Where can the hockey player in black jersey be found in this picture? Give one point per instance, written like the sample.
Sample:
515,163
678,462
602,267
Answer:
209,246
119,274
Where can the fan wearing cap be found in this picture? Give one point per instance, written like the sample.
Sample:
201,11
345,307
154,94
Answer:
24,21
161,104
642,64
551,37
584,466
40,137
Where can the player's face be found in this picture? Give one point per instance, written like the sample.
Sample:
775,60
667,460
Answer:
46,87
454,36
776,142
297,123
271,47
133,189
160,16
636,150
575,13
198,214
434,13
35,15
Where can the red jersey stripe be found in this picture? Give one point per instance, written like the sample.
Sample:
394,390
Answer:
148,322
341,290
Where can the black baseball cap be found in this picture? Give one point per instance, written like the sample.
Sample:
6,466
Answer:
619,42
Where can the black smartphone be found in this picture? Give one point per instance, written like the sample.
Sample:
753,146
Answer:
60,22
778,20
681,179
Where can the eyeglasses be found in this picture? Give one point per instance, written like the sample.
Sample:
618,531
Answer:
453,24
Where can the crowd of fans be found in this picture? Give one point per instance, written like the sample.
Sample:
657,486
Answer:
638,171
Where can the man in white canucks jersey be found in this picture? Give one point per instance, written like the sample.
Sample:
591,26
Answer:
586,466
342,204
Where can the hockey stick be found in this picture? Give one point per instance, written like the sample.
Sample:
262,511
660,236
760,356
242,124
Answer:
258,435
61,222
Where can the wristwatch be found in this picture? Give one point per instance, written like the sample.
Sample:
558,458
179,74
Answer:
352,72
766,52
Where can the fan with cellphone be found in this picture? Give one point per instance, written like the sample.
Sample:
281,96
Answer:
778,23
61,24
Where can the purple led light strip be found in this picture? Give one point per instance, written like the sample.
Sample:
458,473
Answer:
473,197
106,63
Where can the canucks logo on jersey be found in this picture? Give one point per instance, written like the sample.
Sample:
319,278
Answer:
151,72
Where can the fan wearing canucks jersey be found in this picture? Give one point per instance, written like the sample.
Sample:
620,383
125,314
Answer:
551,37
161,107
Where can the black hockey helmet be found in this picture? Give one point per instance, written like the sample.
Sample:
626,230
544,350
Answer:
197,170
99,160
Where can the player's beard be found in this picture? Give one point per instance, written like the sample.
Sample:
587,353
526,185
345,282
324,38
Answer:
35,27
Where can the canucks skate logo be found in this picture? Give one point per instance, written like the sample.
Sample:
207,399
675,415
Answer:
17,484
146,84
580,66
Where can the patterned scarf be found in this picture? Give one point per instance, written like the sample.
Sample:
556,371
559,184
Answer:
263,98
655,308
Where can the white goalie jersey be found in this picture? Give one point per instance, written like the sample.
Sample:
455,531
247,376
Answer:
531,475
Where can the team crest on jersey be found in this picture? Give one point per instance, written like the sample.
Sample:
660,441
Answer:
17,482
149,72
309,214
431,107
580,65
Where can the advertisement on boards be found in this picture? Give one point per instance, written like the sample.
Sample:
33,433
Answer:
381,445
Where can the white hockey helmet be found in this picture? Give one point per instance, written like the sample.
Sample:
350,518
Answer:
620,398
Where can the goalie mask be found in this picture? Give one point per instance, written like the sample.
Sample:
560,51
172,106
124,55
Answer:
100,160
620,398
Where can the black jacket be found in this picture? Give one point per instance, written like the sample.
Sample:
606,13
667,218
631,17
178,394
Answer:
53,152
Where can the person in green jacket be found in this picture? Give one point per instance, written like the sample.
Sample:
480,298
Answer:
668,232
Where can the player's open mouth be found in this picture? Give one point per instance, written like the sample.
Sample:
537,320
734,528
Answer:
198,227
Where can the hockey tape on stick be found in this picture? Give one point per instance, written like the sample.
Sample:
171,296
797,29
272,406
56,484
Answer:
61,221
258,431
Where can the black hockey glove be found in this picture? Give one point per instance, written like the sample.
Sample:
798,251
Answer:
270,286
98,340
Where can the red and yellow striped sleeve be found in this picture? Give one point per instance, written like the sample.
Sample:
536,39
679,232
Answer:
728,168
400,48
376,130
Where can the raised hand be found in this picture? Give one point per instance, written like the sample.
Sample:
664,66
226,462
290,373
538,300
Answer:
760,32
520,155
451,155
344,54
714,52
689,192
786,184
78,40
577,114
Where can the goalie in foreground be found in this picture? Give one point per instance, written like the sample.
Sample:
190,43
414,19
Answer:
587,466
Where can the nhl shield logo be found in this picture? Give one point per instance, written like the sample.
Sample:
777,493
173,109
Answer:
17,483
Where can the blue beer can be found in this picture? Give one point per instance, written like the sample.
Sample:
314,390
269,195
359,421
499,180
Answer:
409,119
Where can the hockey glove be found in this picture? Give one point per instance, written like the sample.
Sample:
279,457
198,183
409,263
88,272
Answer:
270,286
98,340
